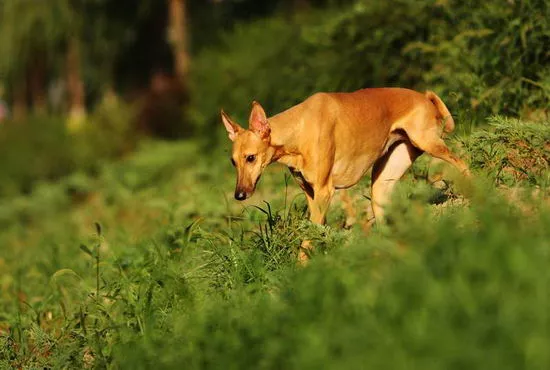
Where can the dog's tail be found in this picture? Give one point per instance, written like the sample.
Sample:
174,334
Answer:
444,114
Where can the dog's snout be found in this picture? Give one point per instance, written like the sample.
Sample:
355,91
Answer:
240,195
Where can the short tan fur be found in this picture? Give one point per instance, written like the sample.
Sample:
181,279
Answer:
331,140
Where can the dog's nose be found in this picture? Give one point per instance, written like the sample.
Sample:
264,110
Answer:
240,195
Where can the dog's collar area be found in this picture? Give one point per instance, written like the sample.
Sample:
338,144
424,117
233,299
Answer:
281,152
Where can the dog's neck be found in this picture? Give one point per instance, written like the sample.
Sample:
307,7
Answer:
285,129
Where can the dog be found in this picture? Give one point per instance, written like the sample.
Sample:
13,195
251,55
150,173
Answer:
330,140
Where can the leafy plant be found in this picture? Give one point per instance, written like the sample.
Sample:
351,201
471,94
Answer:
512,151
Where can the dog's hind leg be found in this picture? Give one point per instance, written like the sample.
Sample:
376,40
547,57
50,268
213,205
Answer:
427,137
387,170
436,147
349,209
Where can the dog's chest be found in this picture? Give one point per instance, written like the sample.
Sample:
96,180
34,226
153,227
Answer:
302,182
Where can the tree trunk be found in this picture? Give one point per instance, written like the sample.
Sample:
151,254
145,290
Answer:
75,86
293,9
37,82
300,5
177,35
20,99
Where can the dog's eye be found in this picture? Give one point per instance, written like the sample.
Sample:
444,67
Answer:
250,158
233,162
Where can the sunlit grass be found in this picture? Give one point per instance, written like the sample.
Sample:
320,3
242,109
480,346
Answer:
189,277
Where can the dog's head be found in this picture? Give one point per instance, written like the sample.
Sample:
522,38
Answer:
251,149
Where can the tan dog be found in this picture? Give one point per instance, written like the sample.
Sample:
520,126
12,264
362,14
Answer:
330,141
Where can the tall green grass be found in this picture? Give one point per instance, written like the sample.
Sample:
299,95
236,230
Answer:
176,274
147,262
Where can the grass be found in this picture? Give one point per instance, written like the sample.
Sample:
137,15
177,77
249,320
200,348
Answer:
151,264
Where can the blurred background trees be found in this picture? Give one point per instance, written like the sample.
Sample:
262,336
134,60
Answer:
106,73
89,47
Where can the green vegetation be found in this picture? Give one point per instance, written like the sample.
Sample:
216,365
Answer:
124,251
483,58
512,151
44,150
187,277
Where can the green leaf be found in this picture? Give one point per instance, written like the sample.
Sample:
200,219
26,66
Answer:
86,250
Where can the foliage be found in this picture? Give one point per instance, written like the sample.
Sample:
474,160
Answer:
401,301
147,261
42,149
33,151
511,150
39,32
176,275
27,27
482,58
280,60
492,56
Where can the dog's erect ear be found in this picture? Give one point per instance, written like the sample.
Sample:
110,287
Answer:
258,121
232,128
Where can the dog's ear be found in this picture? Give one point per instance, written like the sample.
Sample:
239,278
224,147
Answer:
258,121
232,128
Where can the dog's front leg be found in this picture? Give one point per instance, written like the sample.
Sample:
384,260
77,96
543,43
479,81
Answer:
318,206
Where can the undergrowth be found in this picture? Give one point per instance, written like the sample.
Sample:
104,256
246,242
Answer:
151,264
512,151
148,262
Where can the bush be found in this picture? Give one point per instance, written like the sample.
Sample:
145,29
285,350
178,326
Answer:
491,56
512,152
461,290
186,278
482,57
38,149
42,149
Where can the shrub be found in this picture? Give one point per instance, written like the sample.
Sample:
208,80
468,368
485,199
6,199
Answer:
482,57
512,151
42,149
39,149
